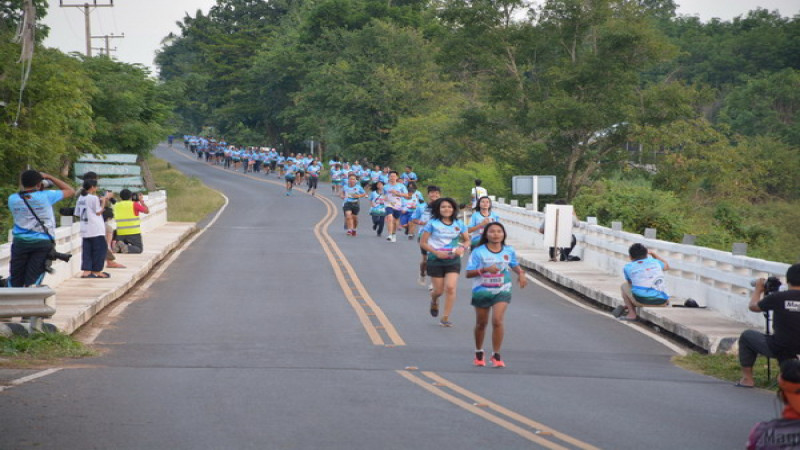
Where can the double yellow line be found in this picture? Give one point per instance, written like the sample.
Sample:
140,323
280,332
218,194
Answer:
516,423
378,327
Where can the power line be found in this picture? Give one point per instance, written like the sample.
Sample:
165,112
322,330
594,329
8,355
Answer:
86,14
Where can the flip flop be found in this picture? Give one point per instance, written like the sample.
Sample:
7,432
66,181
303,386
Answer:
740,385
91,275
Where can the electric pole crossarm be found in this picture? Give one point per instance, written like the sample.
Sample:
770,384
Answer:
86,14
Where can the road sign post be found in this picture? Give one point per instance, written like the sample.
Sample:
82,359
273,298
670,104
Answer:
534,185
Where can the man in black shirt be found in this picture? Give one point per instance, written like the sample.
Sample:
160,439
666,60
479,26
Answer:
784,343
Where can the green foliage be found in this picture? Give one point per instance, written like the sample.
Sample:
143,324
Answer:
457,181
767,105
43,346
129,108
636,205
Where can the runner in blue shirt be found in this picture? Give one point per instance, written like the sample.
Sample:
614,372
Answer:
490,266
314,170
351,194
290,169
396,192
410,205
377,211
409,176
482,216
445,239
420,217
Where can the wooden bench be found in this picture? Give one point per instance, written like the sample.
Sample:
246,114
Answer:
27,302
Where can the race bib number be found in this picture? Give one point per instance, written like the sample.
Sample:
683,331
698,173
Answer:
492,280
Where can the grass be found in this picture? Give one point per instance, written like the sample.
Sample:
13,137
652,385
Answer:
41,348
726,367
189,199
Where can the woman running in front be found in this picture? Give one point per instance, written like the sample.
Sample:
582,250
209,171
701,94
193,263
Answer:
351,193
482,216
445,239
490,266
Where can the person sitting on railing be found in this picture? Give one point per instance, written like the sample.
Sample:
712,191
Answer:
784,342
126,213
644,282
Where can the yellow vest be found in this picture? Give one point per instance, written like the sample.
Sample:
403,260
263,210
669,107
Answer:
127,222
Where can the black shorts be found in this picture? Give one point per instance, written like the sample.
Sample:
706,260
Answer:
353,207
438,271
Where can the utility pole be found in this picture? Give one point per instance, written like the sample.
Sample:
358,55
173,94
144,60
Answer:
86,11
108,38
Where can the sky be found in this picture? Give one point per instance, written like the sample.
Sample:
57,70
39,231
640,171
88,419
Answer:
146,22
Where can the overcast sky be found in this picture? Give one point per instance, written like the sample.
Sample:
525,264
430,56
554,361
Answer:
146,22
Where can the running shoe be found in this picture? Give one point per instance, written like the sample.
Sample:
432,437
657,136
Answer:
479,361
394,238
497,362
354,233
349,233
410,237
434,309
421,280
389,238
446,323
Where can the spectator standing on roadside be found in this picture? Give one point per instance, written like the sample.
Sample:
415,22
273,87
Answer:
33,238
126,213
477,192
110,226
89,210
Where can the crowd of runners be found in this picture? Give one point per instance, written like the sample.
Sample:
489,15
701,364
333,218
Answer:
396,206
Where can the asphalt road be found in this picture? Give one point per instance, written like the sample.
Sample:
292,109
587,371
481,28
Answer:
249,341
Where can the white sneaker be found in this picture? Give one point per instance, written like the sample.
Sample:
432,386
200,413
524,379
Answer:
421,280
389,238
394,238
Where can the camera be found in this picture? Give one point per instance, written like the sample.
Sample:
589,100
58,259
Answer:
47,184
772,284
135,197
55,255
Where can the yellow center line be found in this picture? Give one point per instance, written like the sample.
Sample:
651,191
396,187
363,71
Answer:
529,435
341,267
508,413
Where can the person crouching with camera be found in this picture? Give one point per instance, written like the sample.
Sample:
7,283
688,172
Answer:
126,213
784,342
89,210
34,226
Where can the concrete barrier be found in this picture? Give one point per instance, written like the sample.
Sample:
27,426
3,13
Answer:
716,279
68,239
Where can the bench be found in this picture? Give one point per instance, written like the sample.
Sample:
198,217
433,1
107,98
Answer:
27,302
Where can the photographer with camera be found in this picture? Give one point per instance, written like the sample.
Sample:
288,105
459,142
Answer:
126,213
784,342
33,244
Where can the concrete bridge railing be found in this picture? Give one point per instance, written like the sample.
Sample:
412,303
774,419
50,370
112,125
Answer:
68,239
716,279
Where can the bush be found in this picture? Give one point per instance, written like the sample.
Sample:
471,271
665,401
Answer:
636,205
457,182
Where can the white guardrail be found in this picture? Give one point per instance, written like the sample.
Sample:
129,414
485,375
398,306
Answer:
714,278
68,239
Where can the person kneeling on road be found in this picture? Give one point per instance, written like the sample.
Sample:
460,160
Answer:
784,342
126,214
644,282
